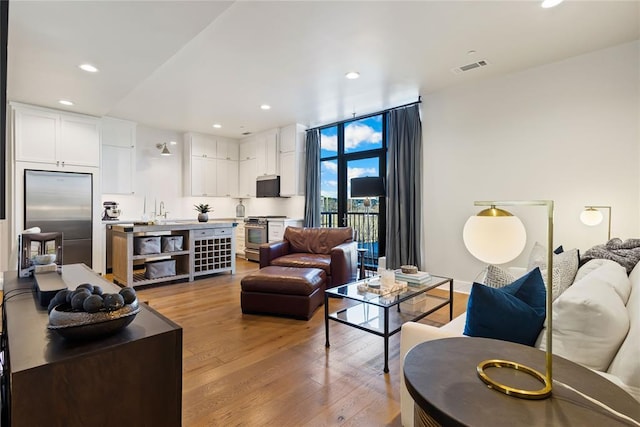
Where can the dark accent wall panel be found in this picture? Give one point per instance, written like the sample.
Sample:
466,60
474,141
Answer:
4,33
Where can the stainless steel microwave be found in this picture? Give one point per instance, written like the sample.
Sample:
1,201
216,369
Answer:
268,186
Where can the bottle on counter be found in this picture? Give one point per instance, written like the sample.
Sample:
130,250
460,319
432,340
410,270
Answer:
240,210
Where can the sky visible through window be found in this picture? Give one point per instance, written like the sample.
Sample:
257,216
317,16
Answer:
360,135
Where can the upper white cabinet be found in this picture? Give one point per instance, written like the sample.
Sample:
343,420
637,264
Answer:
59,139
266,148
202,178
248,149
118,156
258,156
247,178
292,159
210,166
227,149
226,178
202,145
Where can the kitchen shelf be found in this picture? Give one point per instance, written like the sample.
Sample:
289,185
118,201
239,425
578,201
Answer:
140,280
160,255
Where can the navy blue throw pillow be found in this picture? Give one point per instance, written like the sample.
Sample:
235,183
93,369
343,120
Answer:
515,312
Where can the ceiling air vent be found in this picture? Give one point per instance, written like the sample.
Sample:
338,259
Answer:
469,67
246,133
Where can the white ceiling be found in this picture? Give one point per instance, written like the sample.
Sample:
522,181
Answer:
185,65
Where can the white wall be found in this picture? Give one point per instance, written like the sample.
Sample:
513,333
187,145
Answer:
159,178
567,131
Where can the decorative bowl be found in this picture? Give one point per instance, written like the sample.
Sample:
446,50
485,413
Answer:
81,325
409,269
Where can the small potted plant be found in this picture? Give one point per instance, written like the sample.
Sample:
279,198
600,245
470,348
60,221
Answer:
204,209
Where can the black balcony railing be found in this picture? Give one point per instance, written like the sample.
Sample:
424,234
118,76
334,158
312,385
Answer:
366,226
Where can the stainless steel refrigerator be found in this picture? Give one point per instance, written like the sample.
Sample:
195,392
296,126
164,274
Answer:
61,201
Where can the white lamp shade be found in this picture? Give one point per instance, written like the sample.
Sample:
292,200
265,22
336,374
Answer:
494,240
591,217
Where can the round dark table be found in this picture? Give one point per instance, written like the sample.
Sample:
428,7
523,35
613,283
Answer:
441,377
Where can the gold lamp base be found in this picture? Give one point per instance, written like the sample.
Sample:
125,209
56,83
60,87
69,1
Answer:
542,393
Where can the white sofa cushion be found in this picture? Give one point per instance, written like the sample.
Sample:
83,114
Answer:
609,272
590,321
626,364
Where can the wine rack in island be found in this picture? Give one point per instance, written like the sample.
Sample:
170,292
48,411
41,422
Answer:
213,250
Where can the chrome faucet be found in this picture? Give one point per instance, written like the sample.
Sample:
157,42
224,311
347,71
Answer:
164,214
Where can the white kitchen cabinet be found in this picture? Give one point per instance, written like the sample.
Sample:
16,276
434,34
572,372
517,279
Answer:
240,237
277,226
117,170
247,178
118,133
292,160
227,149
118,156
226,178
59,139
247,149
201,145
204,173
267,153
203,177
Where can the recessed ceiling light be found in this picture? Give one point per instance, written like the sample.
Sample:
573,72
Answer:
265,107
88,68
550,3
352,75
65,102
217,126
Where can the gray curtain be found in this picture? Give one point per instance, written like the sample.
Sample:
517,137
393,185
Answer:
404,187
312,184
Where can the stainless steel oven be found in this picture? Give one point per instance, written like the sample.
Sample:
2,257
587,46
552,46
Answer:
255,234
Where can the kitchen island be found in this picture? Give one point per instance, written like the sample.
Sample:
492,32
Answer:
172,251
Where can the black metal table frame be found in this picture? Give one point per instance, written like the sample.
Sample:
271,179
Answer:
397,300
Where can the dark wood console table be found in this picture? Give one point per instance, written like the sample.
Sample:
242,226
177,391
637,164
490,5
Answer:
131,378
441,378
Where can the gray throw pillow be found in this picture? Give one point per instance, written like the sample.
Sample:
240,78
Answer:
496,277
565,267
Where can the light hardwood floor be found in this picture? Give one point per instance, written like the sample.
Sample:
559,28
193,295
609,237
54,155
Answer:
251,370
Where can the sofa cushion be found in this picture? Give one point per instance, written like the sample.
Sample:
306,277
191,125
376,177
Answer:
610,273
514,312
305,260
565,266
590,322
316,240
626,363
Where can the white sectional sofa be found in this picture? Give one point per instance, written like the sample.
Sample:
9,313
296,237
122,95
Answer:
596,322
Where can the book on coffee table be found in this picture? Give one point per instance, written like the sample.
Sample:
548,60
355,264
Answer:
418,278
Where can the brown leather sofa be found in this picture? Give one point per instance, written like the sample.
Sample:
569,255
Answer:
333,250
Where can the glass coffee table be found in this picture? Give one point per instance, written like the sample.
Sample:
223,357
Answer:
384,314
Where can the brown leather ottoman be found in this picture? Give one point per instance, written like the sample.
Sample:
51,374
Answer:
284,291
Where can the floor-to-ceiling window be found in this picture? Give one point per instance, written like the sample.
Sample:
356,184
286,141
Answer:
354,149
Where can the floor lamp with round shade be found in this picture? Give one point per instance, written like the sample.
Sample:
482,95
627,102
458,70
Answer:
495,236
